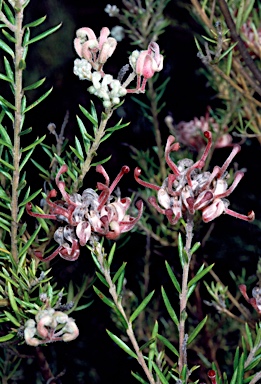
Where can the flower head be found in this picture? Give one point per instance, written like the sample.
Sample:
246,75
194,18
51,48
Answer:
95,50
87,216
188,188
46,328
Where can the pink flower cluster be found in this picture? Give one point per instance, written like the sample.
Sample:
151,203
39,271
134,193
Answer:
191,133
188,188
252,37
87,216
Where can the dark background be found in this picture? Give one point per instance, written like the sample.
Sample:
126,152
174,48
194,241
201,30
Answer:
233,244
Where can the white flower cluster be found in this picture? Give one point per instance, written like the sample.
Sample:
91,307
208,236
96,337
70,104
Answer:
82,68
133,59
118,33
112,10
107,89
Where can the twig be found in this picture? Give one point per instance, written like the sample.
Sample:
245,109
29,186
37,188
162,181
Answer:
17,127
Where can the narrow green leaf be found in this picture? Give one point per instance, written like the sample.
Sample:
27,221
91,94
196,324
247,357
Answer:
84,133
143,105
40,167
5,78
4,143
229,63
5,135
227,51
180,249
173,277
141,307
117,126
77,154
102,279
199,275
162,378
138,378
104,298
111,254
44,34
12,318
9,13
7,337
236,359
12,297
168,344
118,273
26,131
195,248
240,375
36,22
35,85
6,48
169,307
30,198
249,337
6,103
91,118
29,242
121,344
234,377
120,282
34,104
8,36
196,331
8,70
10,166
101,161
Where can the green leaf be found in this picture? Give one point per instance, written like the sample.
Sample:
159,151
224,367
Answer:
249,337
30,198
90,117
117,126
195,248
77,154
173,277
196,331
35,85
121,344
227,51
168,344
143,105
7,337
102,279
2,142
104,298
119,272
10,166
35,23
12,298
6,103
26,131
8,36
5,78
8,70
140,379
9,13
236,359
6,48
141,307
44,34
180,249
29,242
40,167
101,161
34,104
11,318
169,307
111,254
5,136
32,145
199,275
162,378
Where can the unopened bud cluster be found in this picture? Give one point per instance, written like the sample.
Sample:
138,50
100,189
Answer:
50,326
